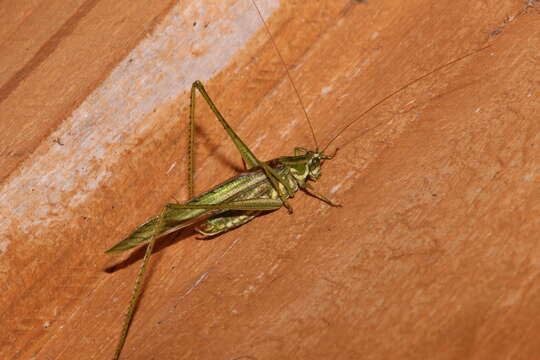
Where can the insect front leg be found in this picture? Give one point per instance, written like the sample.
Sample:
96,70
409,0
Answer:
311,191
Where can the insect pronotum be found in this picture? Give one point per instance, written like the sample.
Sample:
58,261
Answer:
265,186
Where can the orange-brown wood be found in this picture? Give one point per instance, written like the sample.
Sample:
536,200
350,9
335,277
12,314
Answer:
434,255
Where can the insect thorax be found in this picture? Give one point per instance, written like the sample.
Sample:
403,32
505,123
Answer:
304,167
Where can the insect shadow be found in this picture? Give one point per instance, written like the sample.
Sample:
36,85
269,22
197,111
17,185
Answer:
163,243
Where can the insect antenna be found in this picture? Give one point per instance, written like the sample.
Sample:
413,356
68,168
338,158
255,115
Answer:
288,74
340,132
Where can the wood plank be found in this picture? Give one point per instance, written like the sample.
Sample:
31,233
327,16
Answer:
434,254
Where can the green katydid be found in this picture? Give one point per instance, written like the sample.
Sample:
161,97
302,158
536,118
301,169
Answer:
265,186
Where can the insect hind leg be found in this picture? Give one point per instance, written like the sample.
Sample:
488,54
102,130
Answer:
250,160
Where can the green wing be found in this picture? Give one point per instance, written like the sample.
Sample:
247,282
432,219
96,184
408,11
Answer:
239,193
171,222
175,214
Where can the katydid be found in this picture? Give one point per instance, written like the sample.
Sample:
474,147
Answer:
266,186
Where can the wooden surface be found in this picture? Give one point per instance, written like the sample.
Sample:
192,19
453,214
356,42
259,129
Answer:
434,255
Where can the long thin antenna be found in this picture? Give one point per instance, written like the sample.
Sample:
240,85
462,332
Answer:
288,74
399,90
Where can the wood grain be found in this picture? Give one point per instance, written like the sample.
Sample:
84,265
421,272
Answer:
434,255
